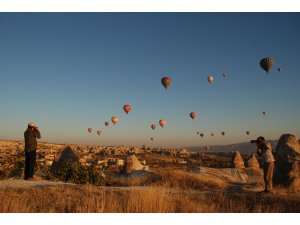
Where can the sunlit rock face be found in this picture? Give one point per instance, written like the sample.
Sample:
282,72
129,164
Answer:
237,160
252,163
287,165
66,155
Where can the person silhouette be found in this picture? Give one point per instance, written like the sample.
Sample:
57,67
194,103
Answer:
30,136
264,149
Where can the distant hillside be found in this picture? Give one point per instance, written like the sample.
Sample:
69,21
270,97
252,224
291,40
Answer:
244,148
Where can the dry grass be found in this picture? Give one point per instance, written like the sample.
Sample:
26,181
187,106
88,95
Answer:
163,191
184,180
135,199
170,178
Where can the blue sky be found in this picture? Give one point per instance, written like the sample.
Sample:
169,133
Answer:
71,71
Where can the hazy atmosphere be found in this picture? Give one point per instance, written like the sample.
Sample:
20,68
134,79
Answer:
68,72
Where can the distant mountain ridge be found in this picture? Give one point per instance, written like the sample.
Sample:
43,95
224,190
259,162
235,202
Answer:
244,147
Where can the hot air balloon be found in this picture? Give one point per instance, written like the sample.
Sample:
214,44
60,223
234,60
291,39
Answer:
206,147
212,134
198,132
106,123
223,133
127,108
162,122
266,63
193,115
264,113
210,79
153,126
225,74
99,132
115,120
201,135
247,132
279,69
166,81
90,130
152,139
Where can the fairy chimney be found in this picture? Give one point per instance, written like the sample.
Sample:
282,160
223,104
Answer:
237,160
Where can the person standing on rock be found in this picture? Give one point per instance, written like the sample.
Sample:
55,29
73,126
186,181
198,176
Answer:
264,149
30,136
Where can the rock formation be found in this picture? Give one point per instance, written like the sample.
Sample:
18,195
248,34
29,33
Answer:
287,164
237,160
65,155
252,163
132,164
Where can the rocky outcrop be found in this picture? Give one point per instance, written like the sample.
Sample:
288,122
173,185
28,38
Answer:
65,156
237,160
133,164
287,164
252,163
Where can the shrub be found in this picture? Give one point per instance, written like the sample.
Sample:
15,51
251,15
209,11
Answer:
17,168
79,174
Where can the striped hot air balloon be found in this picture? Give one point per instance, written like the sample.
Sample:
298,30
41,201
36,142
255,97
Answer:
162,122
166,82
127,108
115,120
210,79
193,115
266,63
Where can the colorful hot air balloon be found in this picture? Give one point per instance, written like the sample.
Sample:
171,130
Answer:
193,115
223,133
225,74
153,126
210,79
106,123
198,132
99,132
166,81
162,122
90,130
201,135
127,108
247,132
212,134
266,63
115,120
206,147
264,113
152,139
